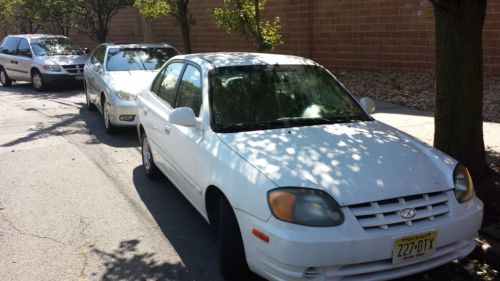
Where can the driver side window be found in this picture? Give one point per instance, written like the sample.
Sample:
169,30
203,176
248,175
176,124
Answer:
97,57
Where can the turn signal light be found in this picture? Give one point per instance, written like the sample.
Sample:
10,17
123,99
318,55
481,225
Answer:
261,235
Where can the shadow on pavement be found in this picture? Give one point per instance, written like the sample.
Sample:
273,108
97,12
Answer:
194,240
127,263
123,137
190,235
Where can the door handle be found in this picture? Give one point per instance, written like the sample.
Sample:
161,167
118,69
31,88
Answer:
167,129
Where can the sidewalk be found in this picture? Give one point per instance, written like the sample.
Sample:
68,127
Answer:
420,124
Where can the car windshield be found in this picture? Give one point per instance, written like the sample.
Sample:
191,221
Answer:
127,59
247,98
54,46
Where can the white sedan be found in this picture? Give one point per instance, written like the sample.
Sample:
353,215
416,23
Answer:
302,183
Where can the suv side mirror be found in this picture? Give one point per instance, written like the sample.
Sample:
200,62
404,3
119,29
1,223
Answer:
182,116
368,104
86,50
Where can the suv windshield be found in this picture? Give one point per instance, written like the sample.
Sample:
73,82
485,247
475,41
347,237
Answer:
246,98
55,46
127,59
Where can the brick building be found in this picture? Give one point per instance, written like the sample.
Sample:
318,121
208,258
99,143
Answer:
340,34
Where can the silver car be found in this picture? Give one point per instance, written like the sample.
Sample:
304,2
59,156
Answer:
116,73
41,59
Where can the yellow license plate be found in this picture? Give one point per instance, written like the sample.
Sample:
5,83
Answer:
414,247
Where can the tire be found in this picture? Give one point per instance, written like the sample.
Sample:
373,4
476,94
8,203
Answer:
37,81
108,126
233,263
4,78
149,165
90,105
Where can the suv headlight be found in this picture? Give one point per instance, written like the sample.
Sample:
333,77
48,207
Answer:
305,206
464,188
126,96
52,68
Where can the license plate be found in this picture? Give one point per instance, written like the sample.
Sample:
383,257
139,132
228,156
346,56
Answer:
79,77
414,247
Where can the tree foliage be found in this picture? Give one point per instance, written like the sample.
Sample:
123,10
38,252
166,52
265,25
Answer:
57,16
179,9
459,81
92,17
243,17
22,16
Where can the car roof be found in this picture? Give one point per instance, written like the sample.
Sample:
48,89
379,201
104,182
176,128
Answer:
224,59
35,36
138,45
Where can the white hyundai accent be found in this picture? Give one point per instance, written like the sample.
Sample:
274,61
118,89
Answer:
302,183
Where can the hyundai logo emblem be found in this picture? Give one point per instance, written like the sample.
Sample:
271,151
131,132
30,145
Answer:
408,213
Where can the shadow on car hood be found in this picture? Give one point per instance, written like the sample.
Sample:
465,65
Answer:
354,162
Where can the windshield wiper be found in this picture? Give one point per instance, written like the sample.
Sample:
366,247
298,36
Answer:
250,126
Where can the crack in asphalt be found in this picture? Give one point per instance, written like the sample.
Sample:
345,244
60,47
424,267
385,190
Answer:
12,226
82,250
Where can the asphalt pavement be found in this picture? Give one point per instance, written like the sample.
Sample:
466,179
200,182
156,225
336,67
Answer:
75,204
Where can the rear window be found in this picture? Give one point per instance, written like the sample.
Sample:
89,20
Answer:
9,45
127,59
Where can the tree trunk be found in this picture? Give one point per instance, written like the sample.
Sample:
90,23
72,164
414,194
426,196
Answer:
183,19
459,82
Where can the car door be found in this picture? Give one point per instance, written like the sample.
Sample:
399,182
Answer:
186,142
24,59
155,108
9,49
93,71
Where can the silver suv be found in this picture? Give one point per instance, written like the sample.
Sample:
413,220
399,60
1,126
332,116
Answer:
40,59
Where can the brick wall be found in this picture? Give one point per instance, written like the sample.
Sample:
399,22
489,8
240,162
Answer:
340,34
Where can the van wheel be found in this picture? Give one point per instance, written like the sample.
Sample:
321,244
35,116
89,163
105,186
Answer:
233,263
4,78
90,105
37,81
149,165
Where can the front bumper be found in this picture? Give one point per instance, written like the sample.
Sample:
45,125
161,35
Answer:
118,109
62,78
348,252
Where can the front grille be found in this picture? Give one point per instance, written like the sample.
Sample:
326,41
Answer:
74,68
385,214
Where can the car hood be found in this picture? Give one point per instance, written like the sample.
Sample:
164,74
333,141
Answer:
62,60
131,82
354,162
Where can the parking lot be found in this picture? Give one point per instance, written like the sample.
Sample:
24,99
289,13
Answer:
76,205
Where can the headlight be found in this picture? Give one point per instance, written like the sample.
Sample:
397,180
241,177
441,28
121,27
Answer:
52,68
304,206
126,96
464,188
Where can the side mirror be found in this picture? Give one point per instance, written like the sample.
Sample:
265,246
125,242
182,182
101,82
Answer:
368,104
182,116
86,50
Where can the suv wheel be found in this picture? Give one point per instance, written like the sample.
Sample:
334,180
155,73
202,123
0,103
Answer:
233,262
4,78
37,80
147,158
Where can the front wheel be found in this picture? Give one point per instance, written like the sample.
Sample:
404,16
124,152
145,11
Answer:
233,262
108,126
149,165
37,81
90,105
4,78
